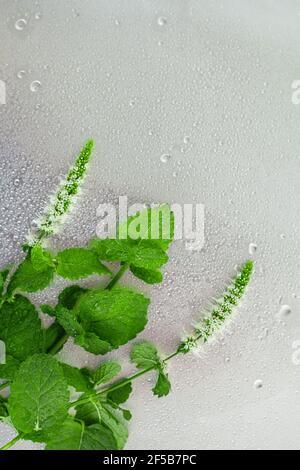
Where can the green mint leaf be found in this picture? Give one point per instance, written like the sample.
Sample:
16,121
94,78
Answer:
163,385
67,436
39,396
99,437
145,355
20,328
115,425
3,276
67,319
48,310
52,335
148,255
95,412
156,224
3,411
74,435
147,275
120,395
91,343
115,316
127,415
76,378
69,296
27,279
141,253
9,369
112,249
78,263
105,372
41,259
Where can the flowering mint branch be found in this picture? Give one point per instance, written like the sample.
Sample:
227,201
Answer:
202,332
221,313
63,199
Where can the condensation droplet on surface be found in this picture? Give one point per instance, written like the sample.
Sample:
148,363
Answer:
35,86
252,248
21,74
165,158
285,311
161,21
20,24
258,384
38,16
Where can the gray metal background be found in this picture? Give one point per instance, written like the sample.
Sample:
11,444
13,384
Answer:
210,84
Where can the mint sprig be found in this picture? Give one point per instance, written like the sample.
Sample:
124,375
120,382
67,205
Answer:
41,403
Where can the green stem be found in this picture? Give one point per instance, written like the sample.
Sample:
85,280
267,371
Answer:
121,384
12,442
117,276
3,386
58,346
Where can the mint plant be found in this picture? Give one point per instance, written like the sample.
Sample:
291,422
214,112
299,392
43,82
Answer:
38,401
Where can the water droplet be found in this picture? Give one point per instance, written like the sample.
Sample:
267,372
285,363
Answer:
283,236
285,311
131,103
161,21
17,182
252,248
21,74
38,16
20,24
165,158
35,86
258,384
186,139
117,22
